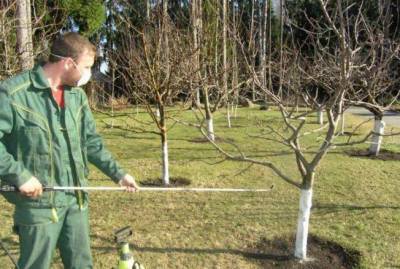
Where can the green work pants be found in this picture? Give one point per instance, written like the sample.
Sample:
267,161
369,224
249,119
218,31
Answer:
39,236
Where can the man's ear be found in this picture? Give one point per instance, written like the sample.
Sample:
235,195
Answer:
68,63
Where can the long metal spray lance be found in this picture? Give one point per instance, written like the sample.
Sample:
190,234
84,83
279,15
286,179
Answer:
7,188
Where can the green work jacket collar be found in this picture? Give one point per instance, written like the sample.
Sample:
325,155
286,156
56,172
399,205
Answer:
40,81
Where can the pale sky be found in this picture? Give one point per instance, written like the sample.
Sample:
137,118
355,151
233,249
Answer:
276,5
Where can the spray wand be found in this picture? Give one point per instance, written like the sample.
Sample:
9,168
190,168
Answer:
9,188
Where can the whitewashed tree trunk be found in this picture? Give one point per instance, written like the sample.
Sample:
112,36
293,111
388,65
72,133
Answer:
302,224
209,115
320,116
165,160
157,112
376,140
210,129
24,34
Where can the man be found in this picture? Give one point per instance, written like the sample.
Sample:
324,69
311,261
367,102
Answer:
47,137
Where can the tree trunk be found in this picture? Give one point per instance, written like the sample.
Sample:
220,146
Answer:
281,74
210,128
320,117
376,140
196,32
165,159
269,46
24,34
224,60
216,52
263,42
209,116
251,49
164,145
165,28
235,99
302,223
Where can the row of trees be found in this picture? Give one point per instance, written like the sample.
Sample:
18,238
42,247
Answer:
302,57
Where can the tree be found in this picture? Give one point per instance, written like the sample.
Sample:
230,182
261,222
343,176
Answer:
156,78
331,69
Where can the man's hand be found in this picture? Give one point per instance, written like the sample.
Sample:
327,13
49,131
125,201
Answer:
31,188
129,182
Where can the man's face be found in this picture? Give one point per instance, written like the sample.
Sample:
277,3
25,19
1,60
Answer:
75,69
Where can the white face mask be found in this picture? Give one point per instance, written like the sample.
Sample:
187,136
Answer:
85,75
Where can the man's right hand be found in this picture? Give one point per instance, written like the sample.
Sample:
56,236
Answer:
31,188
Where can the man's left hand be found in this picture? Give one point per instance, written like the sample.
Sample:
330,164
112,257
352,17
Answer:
129,182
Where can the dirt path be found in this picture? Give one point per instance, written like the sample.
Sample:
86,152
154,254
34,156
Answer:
391,118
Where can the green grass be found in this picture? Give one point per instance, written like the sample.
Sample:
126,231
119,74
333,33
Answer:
356,200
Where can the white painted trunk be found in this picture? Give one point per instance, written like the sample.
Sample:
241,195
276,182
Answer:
165,161
376,141
157,112
210,129
320,116
302,224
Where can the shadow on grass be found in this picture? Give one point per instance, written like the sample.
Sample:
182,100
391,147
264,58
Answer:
212,251
158,182
335,208
384,155
275,253
194,251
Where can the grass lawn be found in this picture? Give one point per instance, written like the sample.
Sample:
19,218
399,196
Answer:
356,200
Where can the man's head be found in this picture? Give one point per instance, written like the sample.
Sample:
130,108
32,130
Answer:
74,56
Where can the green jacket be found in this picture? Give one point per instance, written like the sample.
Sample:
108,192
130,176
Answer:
38,138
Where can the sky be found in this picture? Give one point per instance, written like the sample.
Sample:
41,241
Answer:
276,5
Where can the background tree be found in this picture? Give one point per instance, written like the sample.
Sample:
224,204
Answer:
155,78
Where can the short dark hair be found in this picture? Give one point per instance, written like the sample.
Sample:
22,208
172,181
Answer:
70,45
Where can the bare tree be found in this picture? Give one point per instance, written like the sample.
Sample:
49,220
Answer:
376,75
156,78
